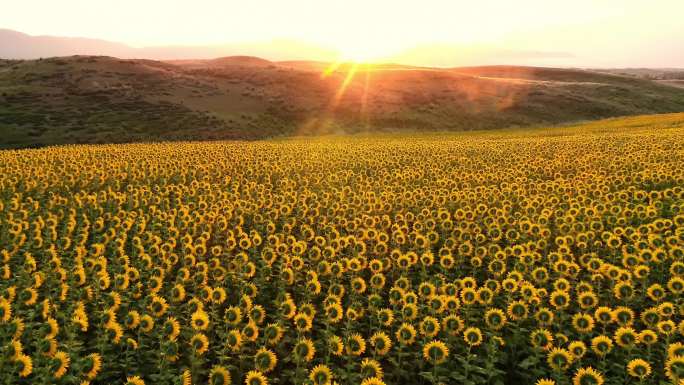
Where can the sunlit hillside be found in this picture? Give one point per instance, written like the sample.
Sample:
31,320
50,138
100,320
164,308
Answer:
521,256
108,100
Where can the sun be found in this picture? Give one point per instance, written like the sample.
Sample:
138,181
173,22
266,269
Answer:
359,55
364,51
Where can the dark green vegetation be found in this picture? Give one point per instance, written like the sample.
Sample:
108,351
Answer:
102,99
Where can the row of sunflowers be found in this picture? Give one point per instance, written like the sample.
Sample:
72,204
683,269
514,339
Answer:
507,258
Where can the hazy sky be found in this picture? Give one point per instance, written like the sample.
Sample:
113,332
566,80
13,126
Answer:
579,32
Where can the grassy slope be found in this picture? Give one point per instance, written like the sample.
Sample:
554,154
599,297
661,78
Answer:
99,99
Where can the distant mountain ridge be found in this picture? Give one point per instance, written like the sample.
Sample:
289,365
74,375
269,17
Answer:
18,45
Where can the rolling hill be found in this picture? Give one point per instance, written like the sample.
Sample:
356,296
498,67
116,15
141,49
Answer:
93,99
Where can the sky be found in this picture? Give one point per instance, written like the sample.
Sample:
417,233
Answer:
610,33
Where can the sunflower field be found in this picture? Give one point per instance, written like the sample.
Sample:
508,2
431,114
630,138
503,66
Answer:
545,256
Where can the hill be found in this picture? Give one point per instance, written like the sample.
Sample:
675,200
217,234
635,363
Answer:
86,99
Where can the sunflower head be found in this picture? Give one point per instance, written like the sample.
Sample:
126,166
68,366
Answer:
234,340
626,337
304,350
381,343
559,359
435,352
265,360
355,345
219,375
472,336
255,377
638,368
321,375
495,319
199,343
371,368
587,376
601,345
406,334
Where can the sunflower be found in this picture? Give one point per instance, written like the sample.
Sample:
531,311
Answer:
587,376
233,315
171,328
381,343
250,331
604,315
24,365
372,381
623,290
517,310
542,339
626,337
257,314
335,345
386,317
429,327
559,359
453,325
303,322
648,337
114,331
170,350
199,320
218,295
92,365
63,362
273,334
560,299
601,345
288,309
146,323
15,349
638,368
265,360
406,334
651,316
255,377
234,340
356,345
623,315
577,349
48,346
371,368
178,293
409,311
135,380
495,319
199,343
219,375
435,352
132,319
583,323
656,292
29,296
158,306
53,328
666,327
675,349
321,375
472,336
186,378
5,310
587,300
545,381
304,350
674,368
